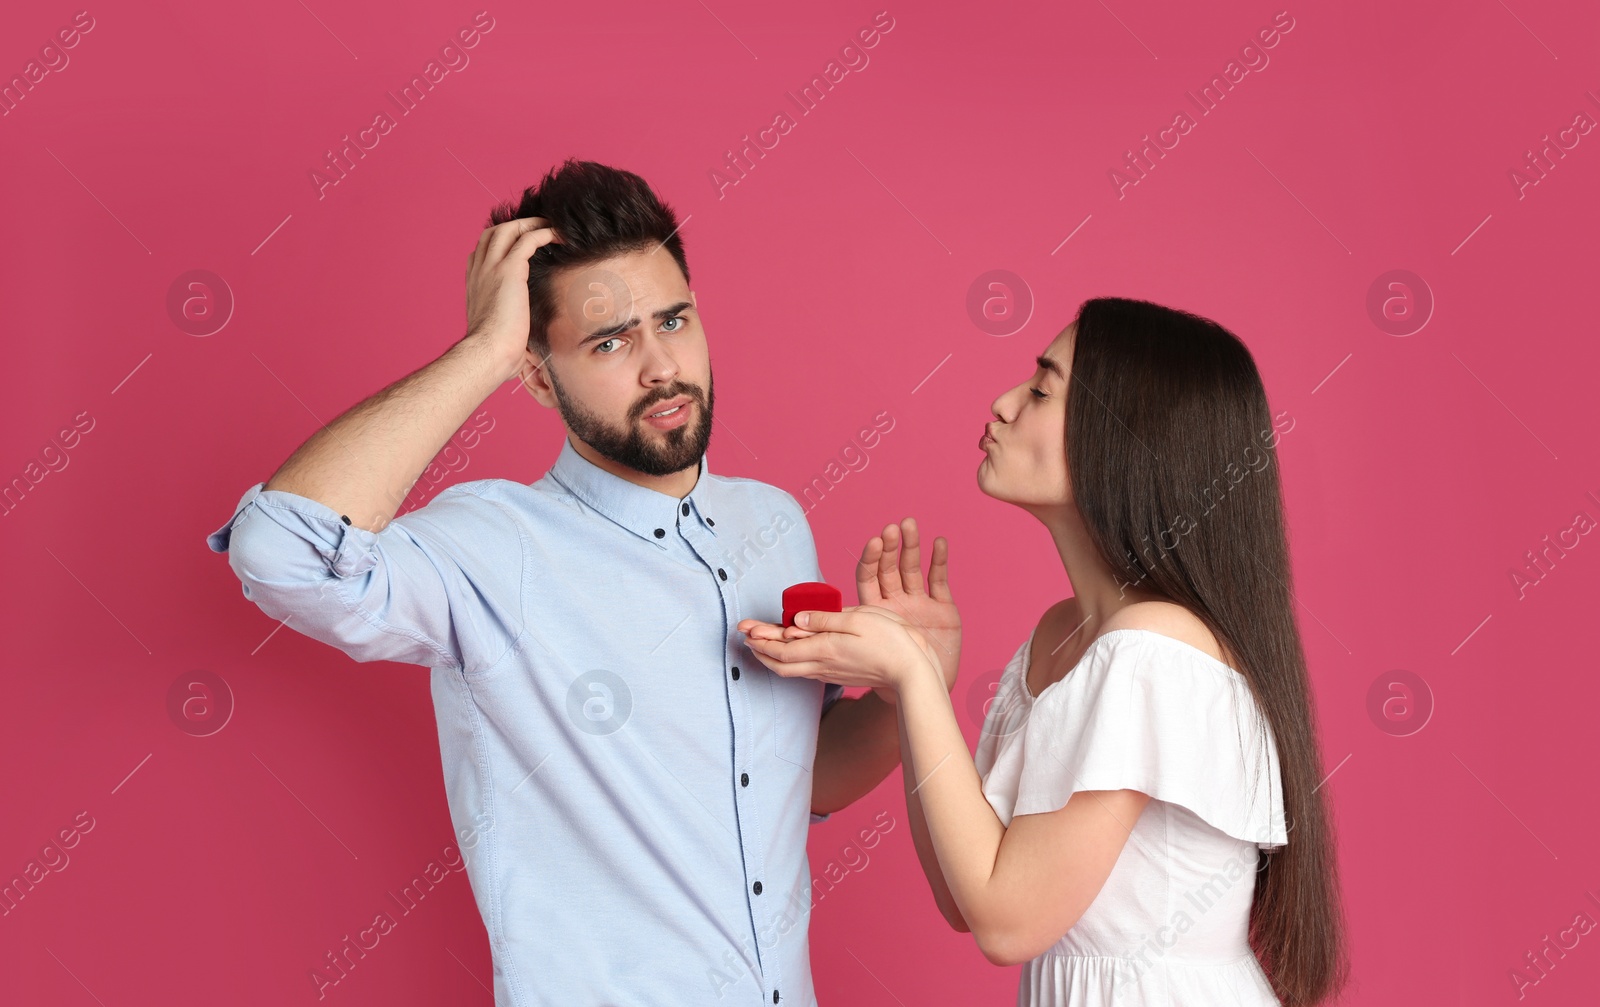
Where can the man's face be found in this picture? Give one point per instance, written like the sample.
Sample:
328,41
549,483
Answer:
626,342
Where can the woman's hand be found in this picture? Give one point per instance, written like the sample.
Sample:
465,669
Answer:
890,575
889,578
864,645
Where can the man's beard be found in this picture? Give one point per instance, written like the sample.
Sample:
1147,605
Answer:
679,447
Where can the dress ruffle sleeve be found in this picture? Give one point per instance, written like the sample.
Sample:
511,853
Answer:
1146,712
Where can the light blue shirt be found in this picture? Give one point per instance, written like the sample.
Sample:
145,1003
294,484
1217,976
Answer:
631,786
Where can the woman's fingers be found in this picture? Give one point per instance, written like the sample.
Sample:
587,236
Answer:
939,571
867,592
889,562
910,557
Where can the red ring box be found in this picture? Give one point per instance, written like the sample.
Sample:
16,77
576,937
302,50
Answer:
812,596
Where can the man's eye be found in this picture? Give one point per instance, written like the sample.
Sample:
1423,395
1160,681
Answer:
600,344
680,320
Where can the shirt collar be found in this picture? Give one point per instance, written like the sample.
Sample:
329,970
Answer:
650,514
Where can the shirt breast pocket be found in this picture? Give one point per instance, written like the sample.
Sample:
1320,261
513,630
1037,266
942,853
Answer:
796,712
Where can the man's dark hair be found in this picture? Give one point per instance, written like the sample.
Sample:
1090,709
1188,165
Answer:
597,212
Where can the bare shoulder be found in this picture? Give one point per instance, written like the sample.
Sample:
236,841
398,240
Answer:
1168,619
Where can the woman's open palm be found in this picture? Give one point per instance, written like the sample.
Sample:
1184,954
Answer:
890,574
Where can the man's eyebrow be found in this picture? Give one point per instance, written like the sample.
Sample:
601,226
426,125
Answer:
660,315
1050,365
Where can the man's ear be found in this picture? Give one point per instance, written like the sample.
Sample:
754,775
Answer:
535,380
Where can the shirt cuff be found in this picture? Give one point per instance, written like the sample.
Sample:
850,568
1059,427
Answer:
346,549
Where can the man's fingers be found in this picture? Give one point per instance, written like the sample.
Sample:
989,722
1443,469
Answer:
476,255
503,236
508,231
531,242
792,669
819,649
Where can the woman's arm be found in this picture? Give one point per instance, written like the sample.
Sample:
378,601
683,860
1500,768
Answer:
1018,889
924,844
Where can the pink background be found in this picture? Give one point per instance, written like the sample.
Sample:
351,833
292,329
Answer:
833,281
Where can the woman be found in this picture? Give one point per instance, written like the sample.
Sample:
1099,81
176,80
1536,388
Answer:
1141,823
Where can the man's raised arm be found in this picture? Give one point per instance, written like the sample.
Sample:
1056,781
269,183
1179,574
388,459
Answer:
365,462
318,546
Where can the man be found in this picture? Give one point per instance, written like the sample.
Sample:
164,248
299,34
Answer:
631,786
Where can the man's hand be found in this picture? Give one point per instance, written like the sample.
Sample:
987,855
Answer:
890,574
497,286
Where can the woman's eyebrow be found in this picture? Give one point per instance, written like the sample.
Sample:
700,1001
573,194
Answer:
1051,366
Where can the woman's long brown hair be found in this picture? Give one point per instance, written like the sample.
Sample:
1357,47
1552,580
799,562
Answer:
1171,451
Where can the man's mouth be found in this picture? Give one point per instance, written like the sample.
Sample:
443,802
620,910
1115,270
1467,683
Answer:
672,410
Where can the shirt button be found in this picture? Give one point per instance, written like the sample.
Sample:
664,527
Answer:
722,573
711,522
756,888
661,533
774,996
685,510
736,673
744,779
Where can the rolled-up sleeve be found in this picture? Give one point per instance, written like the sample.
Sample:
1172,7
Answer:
408,593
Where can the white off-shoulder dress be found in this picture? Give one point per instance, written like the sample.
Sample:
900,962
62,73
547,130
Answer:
1148,712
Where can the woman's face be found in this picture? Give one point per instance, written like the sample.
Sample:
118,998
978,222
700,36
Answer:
1025,462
